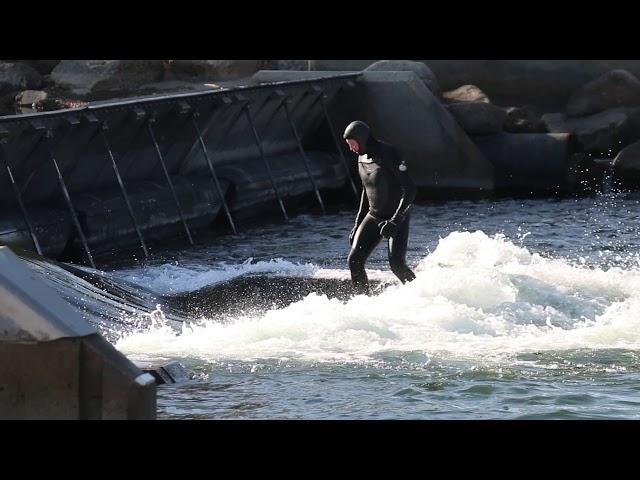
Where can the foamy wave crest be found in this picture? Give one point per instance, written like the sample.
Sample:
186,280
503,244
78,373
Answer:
474,297
170,278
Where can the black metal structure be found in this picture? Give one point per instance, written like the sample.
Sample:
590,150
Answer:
228,151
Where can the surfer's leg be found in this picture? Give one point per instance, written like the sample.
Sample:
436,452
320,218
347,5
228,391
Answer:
398,252
365,240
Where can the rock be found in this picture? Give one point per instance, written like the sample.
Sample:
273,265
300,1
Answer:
43,67
99,79
628,157
629,130
18,76
523,120
626,166
339,65
617,88
597,134
478,118
211,70
419,68
7,105
299,65
465,93
31,98
545,83
556,122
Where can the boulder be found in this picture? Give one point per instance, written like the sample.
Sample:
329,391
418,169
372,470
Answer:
99,79
18,76
339,65
43,67
556,122
31,99
547,83
618,88
465,93
628,158
211,70
523,120
626,166
478,118
298,65
598,134
420,69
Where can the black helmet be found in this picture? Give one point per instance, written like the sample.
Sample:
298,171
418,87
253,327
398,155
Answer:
358,131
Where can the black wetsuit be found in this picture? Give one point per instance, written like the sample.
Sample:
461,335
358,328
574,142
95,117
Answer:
387,195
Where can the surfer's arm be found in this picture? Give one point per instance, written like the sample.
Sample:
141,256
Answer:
364,208
408,188
362,212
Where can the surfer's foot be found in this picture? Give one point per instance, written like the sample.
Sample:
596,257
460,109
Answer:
361,288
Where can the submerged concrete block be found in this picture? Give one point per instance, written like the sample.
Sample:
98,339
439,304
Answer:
54,365
479,118
165,372
530,162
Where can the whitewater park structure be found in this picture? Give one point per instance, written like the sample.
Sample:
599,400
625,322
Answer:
136,174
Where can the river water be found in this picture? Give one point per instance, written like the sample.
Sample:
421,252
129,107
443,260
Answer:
521,309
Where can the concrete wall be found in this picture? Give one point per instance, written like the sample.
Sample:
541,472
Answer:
53,365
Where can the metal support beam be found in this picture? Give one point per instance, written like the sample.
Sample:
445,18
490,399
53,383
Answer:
123,190
264,160
188,154
16,191
283,97
336,142
213,174
152,134
72,210
32,149
304,155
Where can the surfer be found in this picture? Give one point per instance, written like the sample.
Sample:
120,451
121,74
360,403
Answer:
387,195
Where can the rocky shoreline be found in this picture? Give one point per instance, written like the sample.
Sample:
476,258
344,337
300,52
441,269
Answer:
602,114
28,86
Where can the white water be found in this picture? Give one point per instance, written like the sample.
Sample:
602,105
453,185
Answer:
171,279
475,297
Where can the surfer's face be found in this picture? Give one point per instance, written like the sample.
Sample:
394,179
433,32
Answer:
353,145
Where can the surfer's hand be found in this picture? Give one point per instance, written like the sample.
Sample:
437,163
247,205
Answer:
352,234
387,228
